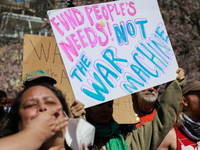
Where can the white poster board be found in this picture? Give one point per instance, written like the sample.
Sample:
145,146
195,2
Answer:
113,49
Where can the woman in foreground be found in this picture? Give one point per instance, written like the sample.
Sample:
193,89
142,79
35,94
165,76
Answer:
36,120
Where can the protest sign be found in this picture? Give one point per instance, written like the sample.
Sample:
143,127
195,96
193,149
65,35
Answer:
110,50
41,53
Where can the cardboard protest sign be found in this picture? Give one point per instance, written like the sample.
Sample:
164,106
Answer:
41,53
113,49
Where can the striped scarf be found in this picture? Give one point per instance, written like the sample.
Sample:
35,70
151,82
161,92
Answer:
190,127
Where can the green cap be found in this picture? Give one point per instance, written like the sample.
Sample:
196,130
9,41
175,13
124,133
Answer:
38,74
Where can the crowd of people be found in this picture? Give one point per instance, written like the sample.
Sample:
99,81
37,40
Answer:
37,118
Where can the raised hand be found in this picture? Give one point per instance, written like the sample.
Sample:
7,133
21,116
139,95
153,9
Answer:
181,74
77,109
47,124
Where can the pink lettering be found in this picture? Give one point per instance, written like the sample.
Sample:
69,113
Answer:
105,12
63,21
88,11
100,28
97,11
81,37
92,31
71,19
72,36
56,25
134,10
68,47
122,9
117,12
108,25
75,12
110,10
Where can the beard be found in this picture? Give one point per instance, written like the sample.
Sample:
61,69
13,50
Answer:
149,98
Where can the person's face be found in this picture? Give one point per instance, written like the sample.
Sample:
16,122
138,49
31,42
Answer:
192,103
3,102
35,101
149,95
101,114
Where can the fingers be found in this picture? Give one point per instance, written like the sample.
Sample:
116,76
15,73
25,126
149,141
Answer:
77,103
77,109
84,147
60,124
181,74
179,70
74,103
78,112
53,111
48,123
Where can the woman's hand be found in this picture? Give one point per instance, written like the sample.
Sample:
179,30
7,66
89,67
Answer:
47,124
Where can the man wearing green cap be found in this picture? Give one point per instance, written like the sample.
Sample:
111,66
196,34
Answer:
37,77
185,134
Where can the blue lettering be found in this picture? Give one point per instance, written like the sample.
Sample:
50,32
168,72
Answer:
85,61
154,75
161,33
105,76
141,24
155,50
121,34
74,73
112,60
81,67
160,46
131,29
153,57
139,72
131,85
98,95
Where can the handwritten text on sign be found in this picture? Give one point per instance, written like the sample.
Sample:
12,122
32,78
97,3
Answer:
113,49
